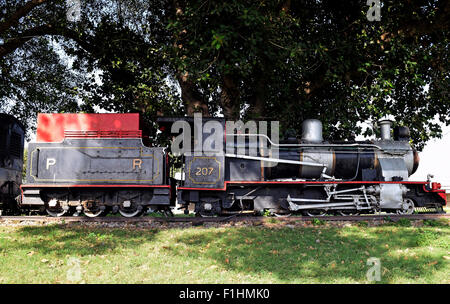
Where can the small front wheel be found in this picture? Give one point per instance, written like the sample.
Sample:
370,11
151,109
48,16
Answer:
407,207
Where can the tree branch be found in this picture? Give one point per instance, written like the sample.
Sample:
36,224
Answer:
14,43
48,29
19,13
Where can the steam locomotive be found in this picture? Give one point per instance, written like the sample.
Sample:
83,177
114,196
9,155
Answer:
93,164
309,176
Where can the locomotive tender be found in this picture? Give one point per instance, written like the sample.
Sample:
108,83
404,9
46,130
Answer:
93,163
96,163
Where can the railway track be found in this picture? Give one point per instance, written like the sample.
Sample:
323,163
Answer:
201,220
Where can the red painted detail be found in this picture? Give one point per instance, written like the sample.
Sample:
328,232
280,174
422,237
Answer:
444,196
437,189
208,189
321,182
94,186
297,183
435,186
51,127
103,134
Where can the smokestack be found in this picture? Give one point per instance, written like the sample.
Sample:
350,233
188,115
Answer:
312,131
385,128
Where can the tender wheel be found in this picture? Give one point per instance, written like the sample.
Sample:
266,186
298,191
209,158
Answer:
92,213
130,209
207,209
92,209
56,212
407,207
129,213
54,208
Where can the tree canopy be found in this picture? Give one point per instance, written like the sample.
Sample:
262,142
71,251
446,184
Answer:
282,60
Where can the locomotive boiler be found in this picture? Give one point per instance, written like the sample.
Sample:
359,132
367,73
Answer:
313,158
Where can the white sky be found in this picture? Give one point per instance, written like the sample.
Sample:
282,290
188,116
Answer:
435,159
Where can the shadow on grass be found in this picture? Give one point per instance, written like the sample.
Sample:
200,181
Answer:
292,254
306,254
62,240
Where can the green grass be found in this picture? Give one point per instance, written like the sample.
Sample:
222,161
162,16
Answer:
316,254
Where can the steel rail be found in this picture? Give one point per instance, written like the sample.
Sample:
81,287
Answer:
233,218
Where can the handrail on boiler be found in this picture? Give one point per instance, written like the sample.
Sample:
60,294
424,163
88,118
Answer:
308,145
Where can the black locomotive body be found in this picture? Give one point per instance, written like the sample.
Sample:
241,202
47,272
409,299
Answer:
310,176
12,136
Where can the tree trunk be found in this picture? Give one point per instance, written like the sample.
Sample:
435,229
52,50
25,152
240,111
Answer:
229,98
192,99
258,99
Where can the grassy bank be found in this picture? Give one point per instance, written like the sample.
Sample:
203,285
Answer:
318,254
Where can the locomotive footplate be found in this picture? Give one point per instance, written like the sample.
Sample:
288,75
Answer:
313,197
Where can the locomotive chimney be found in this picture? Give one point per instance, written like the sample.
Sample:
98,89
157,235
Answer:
312,131
385,128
